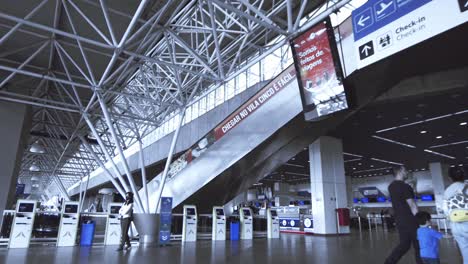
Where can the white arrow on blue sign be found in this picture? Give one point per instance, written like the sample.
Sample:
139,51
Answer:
363,20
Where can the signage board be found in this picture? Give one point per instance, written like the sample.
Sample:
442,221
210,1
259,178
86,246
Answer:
384,27
165,220
319,71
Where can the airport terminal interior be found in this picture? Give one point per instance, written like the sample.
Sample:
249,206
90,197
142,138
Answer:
219,131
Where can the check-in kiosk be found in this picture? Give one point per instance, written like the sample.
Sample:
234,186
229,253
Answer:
68,224
273,228
246,222
22,224
189,227
219,224
112,235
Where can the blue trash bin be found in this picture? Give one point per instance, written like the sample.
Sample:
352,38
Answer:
234,233
87,233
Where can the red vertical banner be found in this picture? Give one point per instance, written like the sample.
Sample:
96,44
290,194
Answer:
319,71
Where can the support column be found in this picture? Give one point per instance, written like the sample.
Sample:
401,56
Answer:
281,193
328,185
439,174
15,122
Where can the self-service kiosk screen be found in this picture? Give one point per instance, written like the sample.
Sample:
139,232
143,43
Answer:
246,212
190,211
71,208
26,208
219,212
274,213
114,209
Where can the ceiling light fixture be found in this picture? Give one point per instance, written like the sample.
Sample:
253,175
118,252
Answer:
426,120
450,144
354,155
463,123
394,142
387,161
351,160
439,137
423,132
439,154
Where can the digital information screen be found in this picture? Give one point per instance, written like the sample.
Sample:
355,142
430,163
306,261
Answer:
26,208
274,213
114,209
190,211
319,71
246,212
71,208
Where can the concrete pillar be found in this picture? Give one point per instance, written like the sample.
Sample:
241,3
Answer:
439,174
14,124
328,185
281,193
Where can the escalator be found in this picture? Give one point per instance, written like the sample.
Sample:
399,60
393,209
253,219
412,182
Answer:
269,129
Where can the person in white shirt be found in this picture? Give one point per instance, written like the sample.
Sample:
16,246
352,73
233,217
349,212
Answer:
126,217
460,229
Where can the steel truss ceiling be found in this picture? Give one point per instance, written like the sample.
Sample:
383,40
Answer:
138,63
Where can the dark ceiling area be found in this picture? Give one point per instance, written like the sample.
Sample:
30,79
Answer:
414,131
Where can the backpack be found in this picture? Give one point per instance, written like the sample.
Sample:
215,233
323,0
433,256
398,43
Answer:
457,206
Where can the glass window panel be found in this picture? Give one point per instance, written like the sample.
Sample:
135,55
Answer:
253,75
220,95
230,89
195,111
241,83
287,56
271,66
211,101
188,115
202,105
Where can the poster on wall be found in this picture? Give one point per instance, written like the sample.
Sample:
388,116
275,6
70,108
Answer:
319,71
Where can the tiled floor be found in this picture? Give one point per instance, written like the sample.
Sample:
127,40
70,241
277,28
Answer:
353,249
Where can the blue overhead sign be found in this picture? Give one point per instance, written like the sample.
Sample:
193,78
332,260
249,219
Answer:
376,14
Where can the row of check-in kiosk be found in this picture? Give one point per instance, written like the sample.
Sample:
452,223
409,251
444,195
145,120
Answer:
190,223
23,222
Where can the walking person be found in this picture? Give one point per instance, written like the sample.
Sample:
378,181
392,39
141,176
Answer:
126,217
405,209
456,203
428,239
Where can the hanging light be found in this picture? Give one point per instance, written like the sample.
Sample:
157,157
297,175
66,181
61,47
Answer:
34,168
37,148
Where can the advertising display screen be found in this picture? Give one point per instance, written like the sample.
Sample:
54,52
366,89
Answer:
26,208
71,208
319,71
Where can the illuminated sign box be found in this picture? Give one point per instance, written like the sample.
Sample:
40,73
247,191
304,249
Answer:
319,71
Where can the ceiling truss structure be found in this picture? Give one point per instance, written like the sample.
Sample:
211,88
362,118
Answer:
110,72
